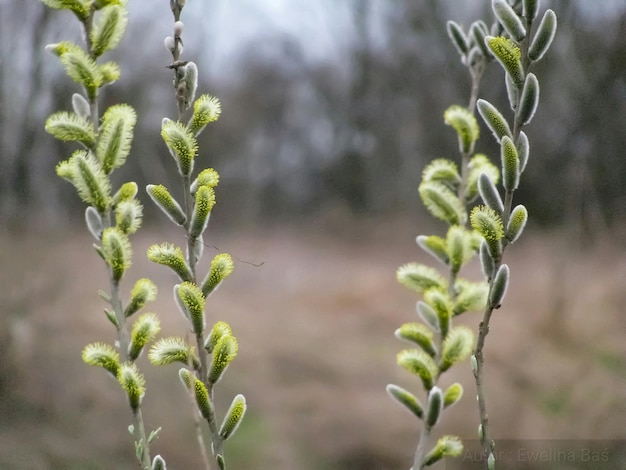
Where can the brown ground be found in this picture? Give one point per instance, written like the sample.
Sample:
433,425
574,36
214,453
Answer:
315,325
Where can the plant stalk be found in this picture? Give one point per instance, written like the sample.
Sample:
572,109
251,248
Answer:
487,442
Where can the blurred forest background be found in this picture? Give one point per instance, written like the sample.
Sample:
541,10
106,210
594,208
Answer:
331,109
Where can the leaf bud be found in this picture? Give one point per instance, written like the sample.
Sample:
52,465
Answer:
178,28
499,287
509,19
489,193
517,222
94,222
407,399
435,406
169,43
530,99
133,382
452,394
233,417
510,164
81,106
225,351
543,37
494,119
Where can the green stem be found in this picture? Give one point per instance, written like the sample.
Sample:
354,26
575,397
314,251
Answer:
218,448
123,334
420,452
487,443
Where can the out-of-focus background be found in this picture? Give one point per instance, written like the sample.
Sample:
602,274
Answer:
331,109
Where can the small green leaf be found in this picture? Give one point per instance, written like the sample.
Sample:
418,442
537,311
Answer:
102,355
182,144
419,334
509,19
442,203
222,266
494,119
419,363
464,123
225,351
407,399
456,347
144,330
206,109
233,417
133,383
108,29
144,291
543,37
153,435
419,277
71,127
111,317
171,256
117,251
191,301
447,446
452,394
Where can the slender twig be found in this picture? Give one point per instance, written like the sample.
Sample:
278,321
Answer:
420,452
487,442
476,73
115,298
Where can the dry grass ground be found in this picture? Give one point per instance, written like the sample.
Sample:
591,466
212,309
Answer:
315,325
